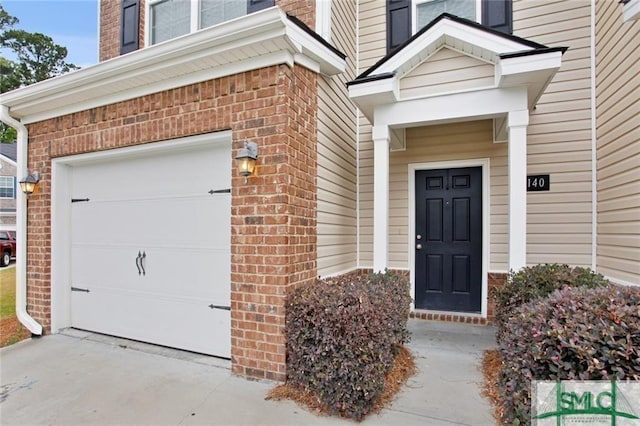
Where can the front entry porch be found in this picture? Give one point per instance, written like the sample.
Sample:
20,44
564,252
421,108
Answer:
500,83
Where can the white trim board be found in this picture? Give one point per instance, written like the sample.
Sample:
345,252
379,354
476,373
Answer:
486,223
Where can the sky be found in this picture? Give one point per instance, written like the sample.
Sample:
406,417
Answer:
70,23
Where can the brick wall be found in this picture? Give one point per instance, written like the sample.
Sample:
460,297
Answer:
273,224
496,279
273,220
111,15
305,10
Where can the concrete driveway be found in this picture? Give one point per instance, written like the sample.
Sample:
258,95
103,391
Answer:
83,378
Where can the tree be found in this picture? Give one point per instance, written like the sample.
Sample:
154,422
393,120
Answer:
38,58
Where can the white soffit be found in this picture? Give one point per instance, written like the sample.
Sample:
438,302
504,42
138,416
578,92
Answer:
250,42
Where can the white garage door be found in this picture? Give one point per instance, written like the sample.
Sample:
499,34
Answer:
150,248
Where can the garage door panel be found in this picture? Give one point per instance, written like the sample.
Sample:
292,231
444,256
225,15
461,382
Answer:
154,318
93,265
196,171
159,206
202,273
192,221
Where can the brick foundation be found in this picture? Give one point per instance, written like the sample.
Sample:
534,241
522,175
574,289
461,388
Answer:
496,279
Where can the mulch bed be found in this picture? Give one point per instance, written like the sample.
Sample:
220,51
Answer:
491,363
404,367
11,331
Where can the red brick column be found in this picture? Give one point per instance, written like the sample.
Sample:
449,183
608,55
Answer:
273,242
39,237
495,279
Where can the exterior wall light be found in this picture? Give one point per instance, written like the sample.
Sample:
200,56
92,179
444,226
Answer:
246,159
29,184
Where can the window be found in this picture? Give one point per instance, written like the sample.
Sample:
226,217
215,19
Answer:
7,187
406,17
173,18
428,10
170,19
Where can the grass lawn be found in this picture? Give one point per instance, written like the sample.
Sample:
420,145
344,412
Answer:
11,331
7,292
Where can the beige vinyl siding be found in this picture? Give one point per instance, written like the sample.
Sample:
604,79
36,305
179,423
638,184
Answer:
337,216
447,70
448,142
559,222
618,143
372,33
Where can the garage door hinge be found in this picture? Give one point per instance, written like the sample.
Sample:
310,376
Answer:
226,308
84,290
79,200
220,191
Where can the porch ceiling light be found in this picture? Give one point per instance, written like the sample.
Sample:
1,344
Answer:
246,159
29,184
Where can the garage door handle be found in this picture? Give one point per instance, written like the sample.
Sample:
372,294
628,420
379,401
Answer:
144,255
225,308
138,263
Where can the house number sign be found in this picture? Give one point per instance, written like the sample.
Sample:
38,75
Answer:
538,183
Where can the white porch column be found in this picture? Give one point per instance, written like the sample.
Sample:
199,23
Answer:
381,139
517,124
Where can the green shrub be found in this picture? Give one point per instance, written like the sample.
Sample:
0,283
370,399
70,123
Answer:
341,335
573,334
532,282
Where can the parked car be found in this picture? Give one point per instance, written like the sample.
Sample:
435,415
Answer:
7,247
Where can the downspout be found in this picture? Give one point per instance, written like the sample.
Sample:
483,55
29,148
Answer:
594,145
21,226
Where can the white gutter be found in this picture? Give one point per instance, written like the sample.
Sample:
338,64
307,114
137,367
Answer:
21,228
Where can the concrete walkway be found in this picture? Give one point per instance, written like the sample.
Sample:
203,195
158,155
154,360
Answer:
84,378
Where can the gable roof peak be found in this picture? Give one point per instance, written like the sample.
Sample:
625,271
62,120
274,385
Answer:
452,31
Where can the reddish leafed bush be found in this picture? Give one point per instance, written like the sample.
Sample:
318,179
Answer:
342,335
536,281
573,334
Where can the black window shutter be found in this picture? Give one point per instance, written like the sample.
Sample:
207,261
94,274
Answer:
398,23
130,25
256,5
15,187
498,15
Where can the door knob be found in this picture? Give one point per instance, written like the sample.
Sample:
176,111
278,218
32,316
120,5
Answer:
418,246
418,237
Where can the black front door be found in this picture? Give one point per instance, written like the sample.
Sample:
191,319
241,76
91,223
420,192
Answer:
448,240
